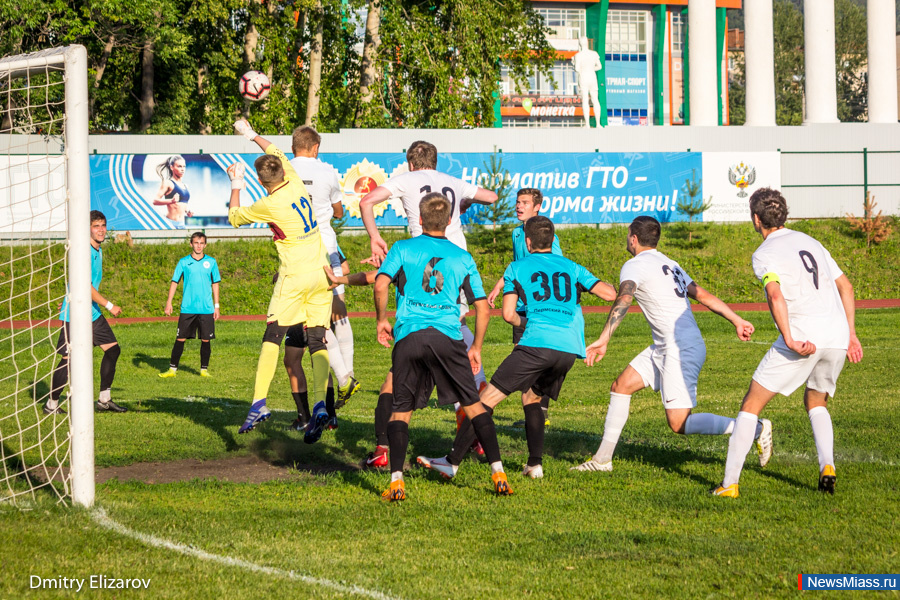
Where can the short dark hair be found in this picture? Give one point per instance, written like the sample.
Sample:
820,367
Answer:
540,231
770,206
647,230
304,138
536,196
269,169
96,215
435,212
422,155
197,235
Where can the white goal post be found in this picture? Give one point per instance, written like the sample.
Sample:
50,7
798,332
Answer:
32,126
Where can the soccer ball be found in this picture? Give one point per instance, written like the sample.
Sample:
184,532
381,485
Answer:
254,85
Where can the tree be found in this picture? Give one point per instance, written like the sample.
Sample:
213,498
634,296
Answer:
691,203
498,214
874,227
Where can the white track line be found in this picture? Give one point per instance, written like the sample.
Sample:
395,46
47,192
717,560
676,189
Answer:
101,518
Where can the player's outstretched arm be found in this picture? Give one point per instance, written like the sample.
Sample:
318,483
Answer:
384,331
172,287
743,327
355,279
604,291
779,310
242,127
845,289
367,210
483,196
597,350
495,292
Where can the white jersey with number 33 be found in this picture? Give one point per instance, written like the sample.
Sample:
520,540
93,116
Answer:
413,186
661,292
807,273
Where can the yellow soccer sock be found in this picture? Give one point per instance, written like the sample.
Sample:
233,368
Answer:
265,369
320,375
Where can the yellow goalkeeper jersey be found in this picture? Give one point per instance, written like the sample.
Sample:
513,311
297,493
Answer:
289,212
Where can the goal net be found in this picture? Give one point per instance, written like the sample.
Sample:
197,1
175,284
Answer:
44,255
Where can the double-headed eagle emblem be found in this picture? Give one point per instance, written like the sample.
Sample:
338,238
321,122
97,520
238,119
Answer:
741,176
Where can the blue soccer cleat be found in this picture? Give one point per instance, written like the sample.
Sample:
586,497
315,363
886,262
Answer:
316,424
258,413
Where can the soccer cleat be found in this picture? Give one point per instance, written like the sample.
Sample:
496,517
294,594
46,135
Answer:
298,424
345,392
109,406
317,424
827,480
501,486
259,412
332,423
396,492
53,411
203,373
377,459
764,442
477,449
170,373
460,417
726,492
535,471
593,465
441,465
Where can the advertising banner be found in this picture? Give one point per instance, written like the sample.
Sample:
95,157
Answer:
730,178
627,85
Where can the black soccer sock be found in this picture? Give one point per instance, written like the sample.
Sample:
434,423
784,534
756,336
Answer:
177,349
301,399
487,435
329,401
545,403
534,432
465,437
382,415
59,379
398,442
205,352
108,367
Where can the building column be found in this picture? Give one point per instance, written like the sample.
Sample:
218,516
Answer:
759,63
818,58
659,54
702,62
882,62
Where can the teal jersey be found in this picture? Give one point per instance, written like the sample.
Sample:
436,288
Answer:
429,273
199,275
520,250
551,288
96,278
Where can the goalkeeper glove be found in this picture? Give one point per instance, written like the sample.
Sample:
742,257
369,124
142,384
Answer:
236,174
243,127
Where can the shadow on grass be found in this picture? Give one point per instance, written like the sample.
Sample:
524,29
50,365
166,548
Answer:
159,364
681,235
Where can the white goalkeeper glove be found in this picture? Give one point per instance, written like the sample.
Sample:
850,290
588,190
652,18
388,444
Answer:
242,127
236,174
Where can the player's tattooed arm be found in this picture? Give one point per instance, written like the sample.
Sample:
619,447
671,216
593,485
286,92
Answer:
597,350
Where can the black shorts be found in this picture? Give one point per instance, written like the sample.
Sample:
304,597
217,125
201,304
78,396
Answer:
539,369
296,336
101,334
427,359
519,330
189,325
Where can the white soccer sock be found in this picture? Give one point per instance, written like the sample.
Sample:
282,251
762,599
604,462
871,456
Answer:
335,358
52,404
708,424
344,334
616,417
738,446
395,475
105,396
496,467
468,338
823,433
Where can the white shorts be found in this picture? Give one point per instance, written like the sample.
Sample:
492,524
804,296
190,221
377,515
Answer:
673,372
783,371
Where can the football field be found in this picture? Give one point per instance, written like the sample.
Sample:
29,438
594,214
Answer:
279,518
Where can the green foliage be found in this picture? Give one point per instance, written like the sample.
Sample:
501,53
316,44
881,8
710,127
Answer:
493,221
691,203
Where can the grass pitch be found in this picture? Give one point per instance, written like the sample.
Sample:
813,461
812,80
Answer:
649,528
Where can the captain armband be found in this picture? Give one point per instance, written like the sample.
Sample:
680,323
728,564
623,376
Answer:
769,278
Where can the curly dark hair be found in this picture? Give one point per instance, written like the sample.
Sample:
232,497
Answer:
770,207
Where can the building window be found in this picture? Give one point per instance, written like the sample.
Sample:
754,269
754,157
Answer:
678,28
565,23
562,72
626,32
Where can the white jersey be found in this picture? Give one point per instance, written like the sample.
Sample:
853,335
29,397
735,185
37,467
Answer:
411,187
322,184
661,292
807,273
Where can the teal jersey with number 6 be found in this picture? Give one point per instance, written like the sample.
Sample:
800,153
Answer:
429,273
550,286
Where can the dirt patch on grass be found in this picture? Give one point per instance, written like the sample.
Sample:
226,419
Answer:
241,469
